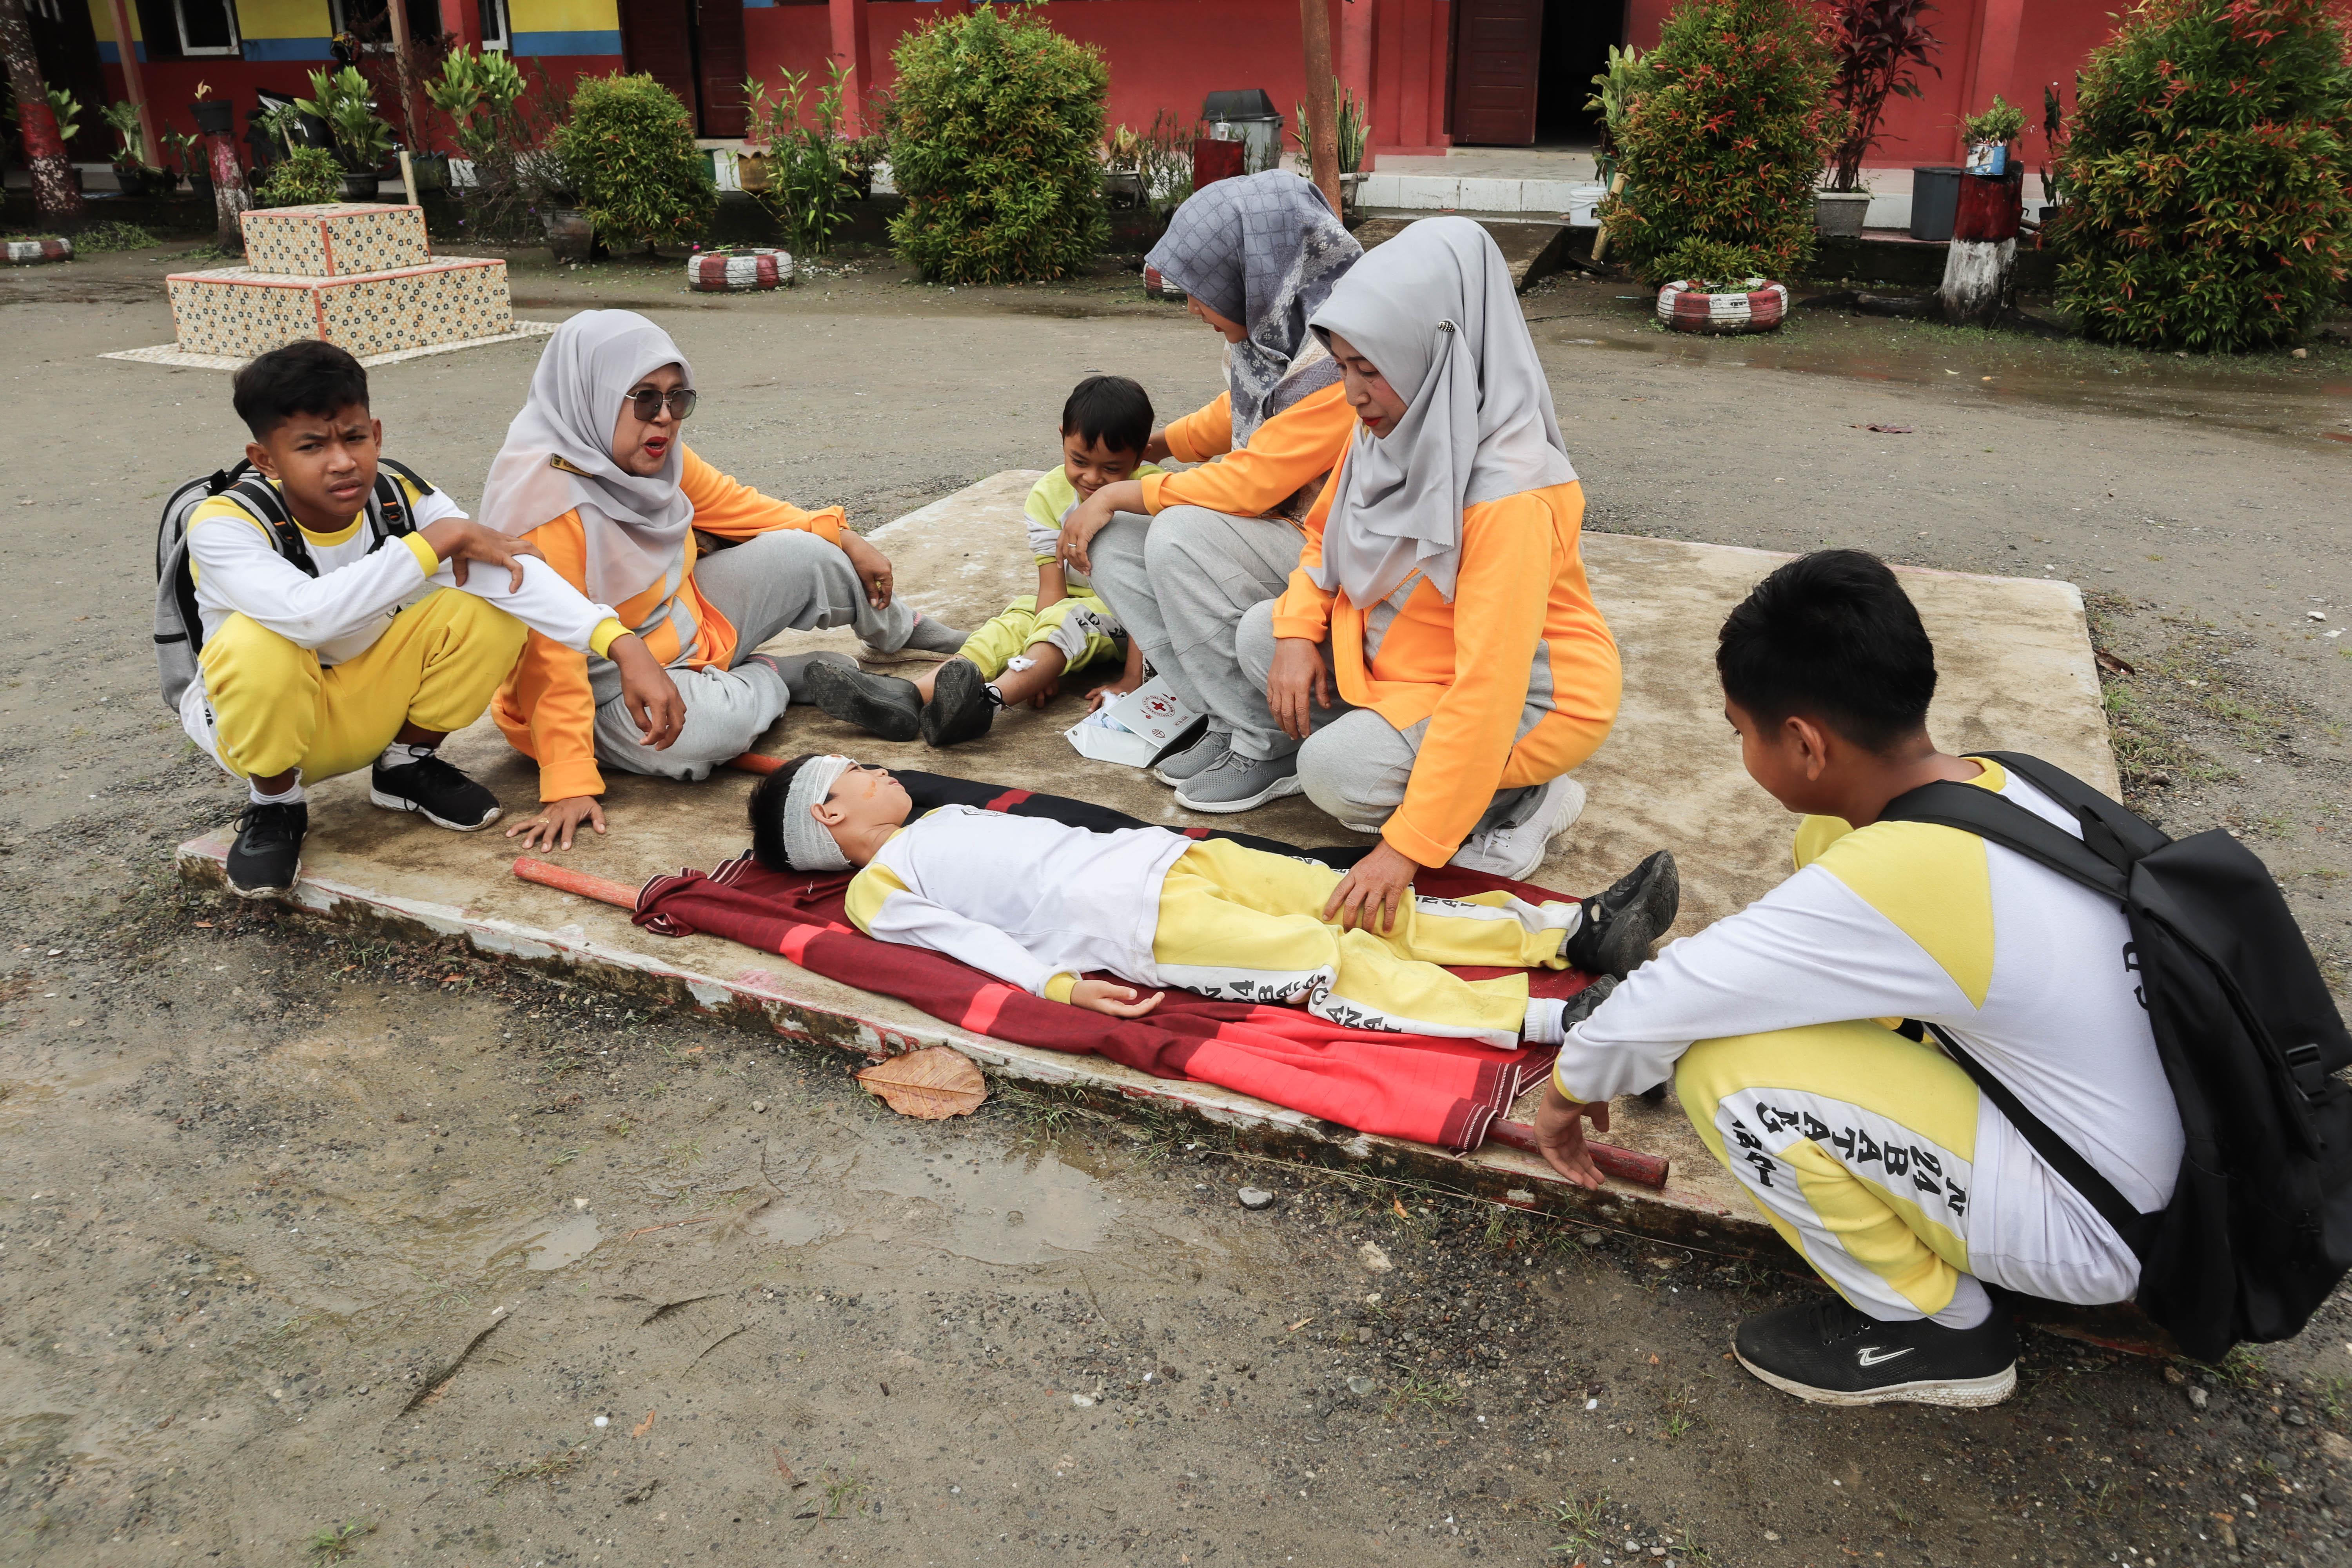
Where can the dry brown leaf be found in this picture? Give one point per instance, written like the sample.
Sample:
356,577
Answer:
2111,663
934,1083
644,1427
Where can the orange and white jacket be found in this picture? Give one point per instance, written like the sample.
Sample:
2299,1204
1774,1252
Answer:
546,706
1289,453
1522,629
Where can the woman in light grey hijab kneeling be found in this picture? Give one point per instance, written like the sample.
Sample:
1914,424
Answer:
1436,664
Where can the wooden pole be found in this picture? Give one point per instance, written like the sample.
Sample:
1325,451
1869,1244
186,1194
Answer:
1322,101
1600,239
134,82
55,194
397,10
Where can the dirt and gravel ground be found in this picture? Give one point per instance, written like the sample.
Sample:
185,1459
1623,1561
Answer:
315,1246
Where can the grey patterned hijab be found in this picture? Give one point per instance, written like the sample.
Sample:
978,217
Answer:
1435,311
558,455
1262,250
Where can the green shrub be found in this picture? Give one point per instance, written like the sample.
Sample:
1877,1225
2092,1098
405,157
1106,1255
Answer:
2003,121
994,142
808,170
306,177
2209,176
629,150
1725,137
1715,267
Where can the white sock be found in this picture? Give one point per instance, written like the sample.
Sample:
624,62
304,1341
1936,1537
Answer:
1970,1305
400,753
294,795
1543,1026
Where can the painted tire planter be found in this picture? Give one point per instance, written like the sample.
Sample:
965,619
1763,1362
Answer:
32,252
739,271
1687,308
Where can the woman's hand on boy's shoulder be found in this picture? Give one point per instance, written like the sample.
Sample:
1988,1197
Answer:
459,541
1109,996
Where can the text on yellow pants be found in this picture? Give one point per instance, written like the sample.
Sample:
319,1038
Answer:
1247,925
275,707
1858,1144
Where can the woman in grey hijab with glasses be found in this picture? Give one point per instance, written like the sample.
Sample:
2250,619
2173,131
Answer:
597,473
1442,591
1180,556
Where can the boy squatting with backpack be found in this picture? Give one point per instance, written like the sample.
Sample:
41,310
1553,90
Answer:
1876,1157
336,623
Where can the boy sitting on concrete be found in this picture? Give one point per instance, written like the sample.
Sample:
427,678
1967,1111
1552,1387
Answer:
336,635
1874,1156
1043,905
1022,654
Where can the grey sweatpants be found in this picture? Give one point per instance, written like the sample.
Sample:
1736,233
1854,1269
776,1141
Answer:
1180,583
1354,764
786,581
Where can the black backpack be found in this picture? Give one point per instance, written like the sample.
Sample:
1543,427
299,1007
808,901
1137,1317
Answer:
179,628
2259,1229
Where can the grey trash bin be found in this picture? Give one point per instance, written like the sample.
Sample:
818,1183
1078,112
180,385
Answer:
1934,198
1251,116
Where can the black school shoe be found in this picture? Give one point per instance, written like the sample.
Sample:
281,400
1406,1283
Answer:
1618,925
268,854
1827,1353
438,790
960,709
884,706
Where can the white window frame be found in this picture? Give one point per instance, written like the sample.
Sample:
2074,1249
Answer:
236,44
503,41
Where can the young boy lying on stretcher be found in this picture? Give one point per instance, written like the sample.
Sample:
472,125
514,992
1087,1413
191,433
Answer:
1041,905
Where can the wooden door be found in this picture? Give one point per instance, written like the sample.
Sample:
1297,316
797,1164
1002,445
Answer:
657,39
720,64
1497,47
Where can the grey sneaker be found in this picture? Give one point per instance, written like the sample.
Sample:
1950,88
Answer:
1235,783
929,636
1516,852
1193,759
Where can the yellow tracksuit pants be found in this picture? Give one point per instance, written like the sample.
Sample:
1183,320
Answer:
1080,626
275,707
1247,925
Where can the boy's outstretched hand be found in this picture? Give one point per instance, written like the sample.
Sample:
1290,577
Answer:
1560,1134
460,541
1108,997
648,693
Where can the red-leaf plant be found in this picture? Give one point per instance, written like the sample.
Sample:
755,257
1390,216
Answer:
1879,44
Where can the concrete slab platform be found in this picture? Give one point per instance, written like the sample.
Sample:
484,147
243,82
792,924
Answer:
2016,672
1532,248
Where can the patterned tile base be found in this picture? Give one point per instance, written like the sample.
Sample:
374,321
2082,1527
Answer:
335,241
238,312
172,355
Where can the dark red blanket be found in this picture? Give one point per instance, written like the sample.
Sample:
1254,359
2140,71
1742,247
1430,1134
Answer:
1407,1086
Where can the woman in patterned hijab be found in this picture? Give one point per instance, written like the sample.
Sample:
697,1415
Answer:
1180,556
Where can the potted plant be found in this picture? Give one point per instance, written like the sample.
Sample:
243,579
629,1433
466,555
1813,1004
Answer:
1349,123
1618,86
133,172
1123,170
860,156
1989,134
1719,288
629,148
215,116
347,103
809,184
1879,44
188,152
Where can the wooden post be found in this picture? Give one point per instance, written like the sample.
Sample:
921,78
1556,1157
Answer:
134,82
397,10
1322,101
1601,235
55,194
1980,268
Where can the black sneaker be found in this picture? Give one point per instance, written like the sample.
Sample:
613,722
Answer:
960,709
883,706
446,796
1618,925
1829,1354
268,854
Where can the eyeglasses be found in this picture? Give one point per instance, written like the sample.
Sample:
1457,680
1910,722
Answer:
647,403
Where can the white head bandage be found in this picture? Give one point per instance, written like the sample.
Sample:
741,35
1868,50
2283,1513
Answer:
808,841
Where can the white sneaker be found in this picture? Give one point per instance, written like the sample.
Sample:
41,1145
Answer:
1516,852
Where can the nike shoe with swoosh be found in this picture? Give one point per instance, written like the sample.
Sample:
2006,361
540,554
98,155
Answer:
1827,1353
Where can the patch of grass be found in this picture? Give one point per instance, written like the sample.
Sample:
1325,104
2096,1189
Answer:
1579,1517
2244,1368
1417,1391
333,1543
1678,1413
100,237
843,1494
548,1470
